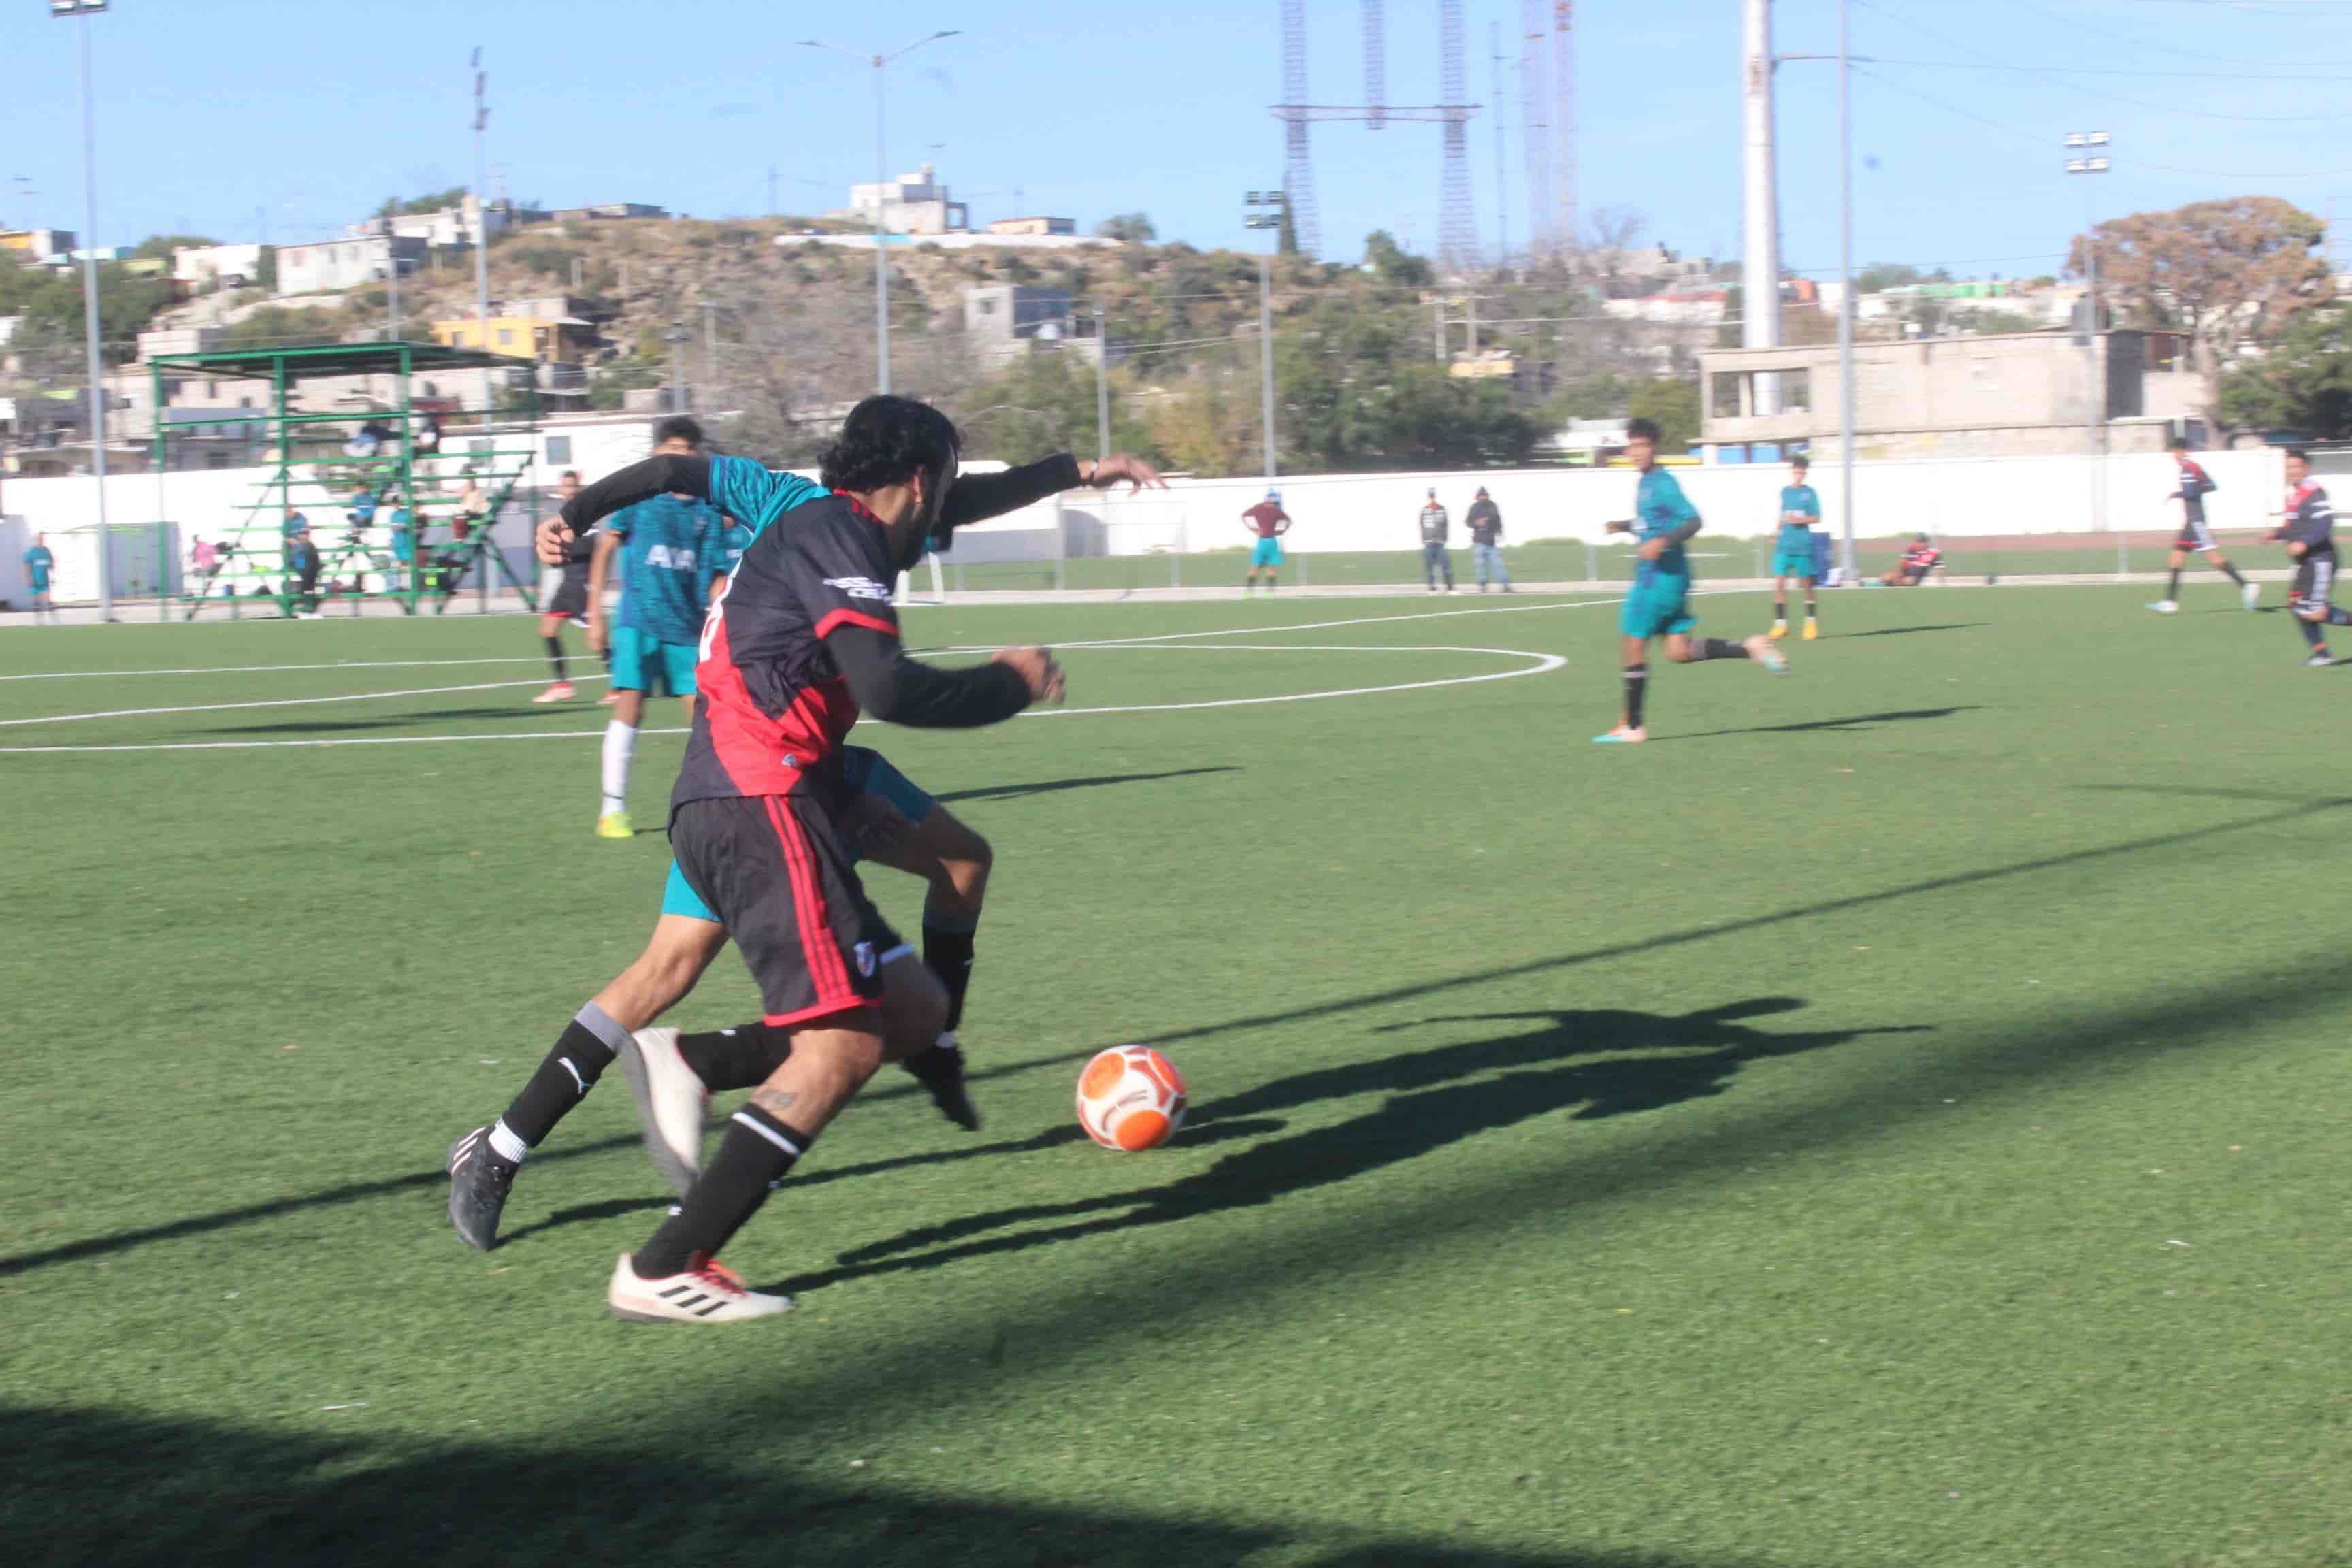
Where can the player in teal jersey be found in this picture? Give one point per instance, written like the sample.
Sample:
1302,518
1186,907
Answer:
669,547
1792,555
1659,604
39,563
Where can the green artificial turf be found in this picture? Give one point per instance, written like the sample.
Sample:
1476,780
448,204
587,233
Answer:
1893,1118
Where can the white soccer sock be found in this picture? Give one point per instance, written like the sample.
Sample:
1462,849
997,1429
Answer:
620,740
507,1142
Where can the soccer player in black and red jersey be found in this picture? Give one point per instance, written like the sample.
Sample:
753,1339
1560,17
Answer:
1267,523
2308,530
2197,534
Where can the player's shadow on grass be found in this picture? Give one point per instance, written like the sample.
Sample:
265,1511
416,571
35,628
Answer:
91,1486
1597,1063
1850,721
395,721
1907,631
1049,786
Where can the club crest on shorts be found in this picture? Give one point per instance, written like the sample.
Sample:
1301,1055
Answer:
864,953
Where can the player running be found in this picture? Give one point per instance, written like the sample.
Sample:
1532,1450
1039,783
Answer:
890,821
1659,605
1269,522
2197,534
568,602
2309,532
669,547
803,640
1792,554
39,563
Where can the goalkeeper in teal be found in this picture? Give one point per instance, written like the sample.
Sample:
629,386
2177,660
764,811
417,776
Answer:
671,549
1659,604
1792,555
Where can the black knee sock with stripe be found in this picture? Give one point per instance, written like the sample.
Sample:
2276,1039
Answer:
1716,648
2172,589
757,1153
947,949
555,657
740,1057
1637,688
2231,572
581,1054
2310,630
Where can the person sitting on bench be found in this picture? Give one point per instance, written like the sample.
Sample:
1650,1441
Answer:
1919,558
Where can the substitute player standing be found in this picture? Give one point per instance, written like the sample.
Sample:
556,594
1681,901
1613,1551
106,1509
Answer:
1792,554
669,548
39,563
1659,605
569,601
1434,557
1484,522
2309,532
2197,534
1269,522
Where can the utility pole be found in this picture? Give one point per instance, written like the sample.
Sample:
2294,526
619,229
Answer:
1502,203
2087,154
1102,387
481,224
709,334
1759,295
83,10
1846,566
1268,210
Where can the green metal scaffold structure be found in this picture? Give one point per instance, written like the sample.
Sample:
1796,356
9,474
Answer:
381,549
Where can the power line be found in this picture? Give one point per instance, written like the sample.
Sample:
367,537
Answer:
2125,98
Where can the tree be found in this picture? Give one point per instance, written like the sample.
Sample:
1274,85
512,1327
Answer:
1672,406
1136,229
1392,264
2305,382
2223,272
159,248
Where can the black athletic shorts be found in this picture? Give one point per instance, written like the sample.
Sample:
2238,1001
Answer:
570,597
2196,534
2314,582
775,872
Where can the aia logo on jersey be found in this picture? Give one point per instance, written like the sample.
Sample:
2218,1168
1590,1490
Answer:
680,559
859,587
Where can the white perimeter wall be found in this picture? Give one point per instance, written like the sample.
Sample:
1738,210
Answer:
1341,512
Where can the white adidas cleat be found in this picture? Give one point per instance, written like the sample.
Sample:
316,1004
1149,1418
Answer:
673,1106
2165,607
2250,595
707,1292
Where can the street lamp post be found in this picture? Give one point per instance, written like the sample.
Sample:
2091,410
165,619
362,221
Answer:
881,178
1102,388
1265,210
2087,154
481,229
85,10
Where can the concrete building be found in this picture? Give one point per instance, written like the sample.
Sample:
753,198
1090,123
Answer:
912,204
42,246
550,339
444,227
1646,269
1004,320
2003,394
331,266
1033,225
608,212
202,266
1679,308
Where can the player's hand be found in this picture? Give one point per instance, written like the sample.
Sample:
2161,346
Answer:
600,636
1617,525
1035,666
1126,468
1652,550
552,541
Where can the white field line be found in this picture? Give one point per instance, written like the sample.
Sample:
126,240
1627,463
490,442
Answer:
1543,663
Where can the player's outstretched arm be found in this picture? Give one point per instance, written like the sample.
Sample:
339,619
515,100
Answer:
663,473
902,690
976,497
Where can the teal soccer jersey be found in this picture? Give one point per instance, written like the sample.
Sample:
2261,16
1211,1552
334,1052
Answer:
670,550
1659,507
753,496
38,564
1796,538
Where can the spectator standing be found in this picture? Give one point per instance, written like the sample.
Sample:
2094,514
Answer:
1435,559
1484,522
1269,522
302,566
39,564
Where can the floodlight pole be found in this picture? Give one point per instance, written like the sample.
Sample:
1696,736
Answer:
1846,568
1266,210
1102,387
2088,150
83,10
881,178
481,227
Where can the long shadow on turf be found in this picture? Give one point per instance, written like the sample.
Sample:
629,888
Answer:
221,1219
1016,792
90,1486
1850,721
1438,1097
402,720
1907,631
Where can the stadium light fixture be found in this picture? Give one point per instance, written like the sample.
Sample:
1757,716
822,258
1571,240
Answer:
84,10
1264,209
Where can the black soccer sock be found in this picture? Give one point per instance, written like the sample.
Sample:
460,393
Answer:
2339,617
2231,572
757,1153
1812,612
2310,630
2172,589
947,948
555,657
582,1053
1717,648
1637,683
740,1057
1781,609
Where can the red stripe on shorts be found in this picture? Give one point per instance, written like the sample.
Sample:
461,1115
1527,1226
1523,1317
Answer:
825,969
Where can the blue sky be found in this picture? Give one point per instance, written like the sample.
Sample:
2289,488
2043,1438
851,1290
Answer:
217,116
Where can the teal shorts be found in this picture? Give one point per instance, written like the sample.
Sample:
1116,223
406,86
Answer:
863,772
638,660
1657,607
1793,563
1267,553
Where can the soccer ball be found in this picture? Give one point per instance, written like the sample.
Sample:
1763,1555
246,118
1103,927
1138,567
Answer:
1130,1098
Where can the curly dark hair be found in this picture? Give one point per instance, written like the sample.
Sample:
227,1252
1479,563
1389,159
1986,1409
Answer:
1641,430
680,427
887,440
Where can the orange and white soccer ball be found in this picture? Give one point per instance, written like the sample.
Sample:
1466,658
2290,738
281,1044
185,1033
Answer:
1130,1098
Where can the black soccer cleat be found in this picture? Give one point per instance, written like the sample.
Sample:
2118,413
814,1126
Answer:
479,1180
941,1072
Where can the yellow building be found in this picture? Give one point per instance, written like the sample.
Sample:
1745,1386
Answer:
551,340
